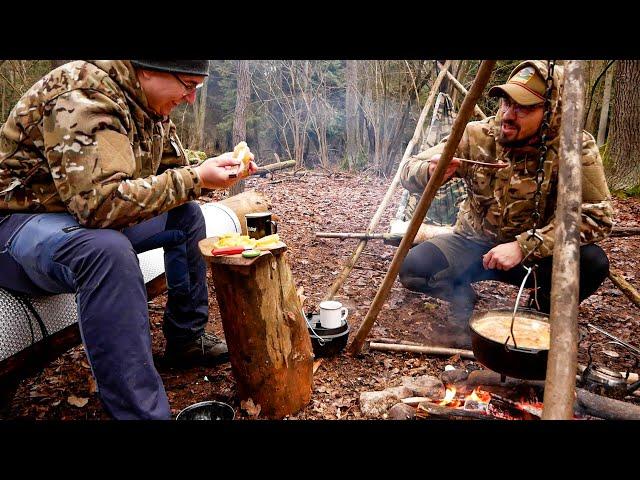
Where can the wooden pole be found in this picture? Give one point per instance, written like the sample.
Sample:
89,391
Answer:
463,90
394,347
562,363
482,77
618,280
394,183
272,167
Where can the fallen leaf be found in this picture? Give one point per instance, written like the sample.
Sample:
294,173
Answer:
77,401
93,386
316,365
249,407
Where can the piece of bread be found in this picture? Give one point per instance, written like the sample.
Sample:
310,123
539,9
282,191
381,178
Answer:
242,153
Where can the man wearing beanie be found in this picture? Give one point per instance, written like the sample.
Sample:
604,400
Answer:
91,174
494,231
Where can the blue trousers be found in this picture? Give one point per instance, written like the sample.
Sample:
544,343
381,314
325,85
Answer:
51,253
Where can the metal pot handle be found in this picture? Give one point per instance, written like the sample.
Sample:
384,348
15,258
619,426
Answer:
515,308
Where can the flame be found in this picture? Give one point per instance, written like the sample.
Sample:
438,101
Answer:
479,396
449,396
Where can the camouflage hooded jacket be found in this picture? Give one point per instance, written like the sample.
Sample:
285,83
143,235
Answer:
500,204
83,140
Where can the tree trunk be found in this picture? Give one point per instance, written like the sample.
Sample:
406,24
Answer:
561,366
351,113
243,94
622,166
269,345
200,116
595,69
604,112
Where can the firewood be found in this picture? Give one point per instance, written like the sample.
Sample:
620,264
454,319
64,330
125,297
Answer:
391,347
626,288
432,411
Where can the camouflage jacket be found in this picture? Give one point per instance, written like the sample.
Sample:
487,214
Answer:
500,204
83,140
445,205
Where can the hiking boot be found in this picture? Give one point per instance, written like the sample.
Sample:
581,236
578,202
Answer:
204,351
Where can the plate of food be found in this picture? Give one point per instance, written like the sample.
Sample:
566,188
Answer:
240,246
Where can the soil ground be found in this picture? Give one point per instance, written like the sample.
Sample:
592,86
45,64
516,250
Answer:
313,202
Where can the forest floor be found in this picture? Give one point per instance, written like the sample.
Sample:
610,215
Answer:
334,202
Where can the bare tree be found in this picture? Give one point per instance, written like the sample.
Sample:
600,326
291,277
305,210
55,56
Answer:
389,94
351,113
280,88
243,95
623,145
604,111
200,108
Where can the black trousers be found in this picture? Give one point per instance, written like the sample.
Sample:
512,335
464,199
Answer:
447,265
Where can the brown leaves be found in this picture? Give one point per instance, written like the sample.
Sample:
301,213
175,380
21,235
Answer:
77,401
249,407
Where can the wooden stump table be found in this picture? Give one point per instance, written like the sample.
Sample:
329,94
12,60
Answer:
269,345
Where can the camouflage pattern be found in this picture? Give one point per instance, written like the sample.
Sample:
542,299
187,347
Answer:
83,140
500,203
446,202
445,205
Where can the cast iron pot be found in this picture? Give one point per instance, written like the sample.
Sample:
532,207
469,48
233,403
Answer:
523,363
327,342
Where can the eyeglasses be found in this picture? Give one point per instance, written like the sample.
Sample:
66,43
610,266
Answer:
192,87
519,110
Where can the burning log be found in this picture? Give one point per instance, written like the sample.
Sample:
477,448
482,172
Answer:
431,410
586,402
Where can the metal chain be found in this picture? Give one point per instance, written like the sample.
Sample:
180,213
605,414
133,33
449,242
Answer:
544,128
542,149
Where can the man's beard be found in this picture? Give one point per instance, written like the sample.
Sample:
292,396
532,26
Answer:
516,143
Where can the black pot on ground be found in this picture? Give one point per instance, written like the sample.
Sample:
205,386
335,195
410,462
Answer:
327,342
210,410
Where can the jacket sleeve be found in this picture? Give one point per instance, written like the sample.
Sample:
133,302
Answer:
173,154
93,164
414,175
597,208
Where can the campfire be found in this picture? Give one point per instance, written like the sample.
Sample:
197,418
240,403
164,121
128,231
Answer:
485,404
485,395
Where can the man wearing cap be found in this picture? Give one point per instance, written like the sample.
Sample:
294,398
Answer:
92,173
493,231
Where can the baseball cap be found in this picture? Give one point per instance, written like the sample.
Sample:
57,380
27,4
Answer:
525,86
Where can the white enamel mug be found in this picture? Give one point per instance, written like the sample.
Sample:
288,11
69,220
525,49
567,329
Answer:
332,314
